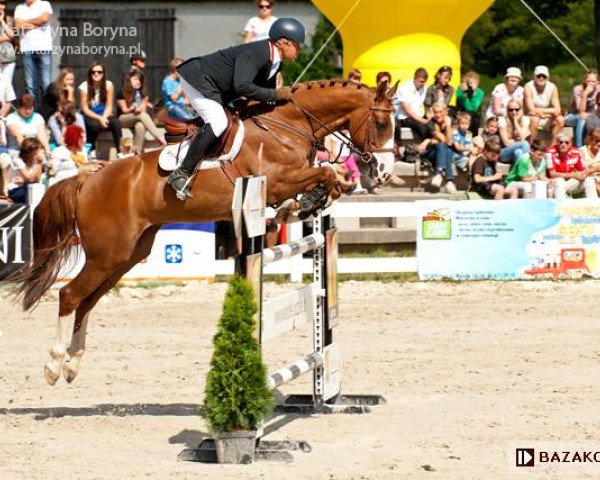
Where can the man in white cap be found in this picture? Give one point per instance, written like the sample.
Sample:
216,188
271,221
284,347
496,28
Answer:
542,104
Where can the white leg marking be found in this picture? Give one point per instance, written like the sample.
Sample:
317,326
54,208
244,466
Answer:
58,350
76,350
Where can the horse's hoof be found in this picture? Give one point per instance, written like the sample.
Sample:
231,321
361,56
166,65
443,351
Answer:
68,373
50,374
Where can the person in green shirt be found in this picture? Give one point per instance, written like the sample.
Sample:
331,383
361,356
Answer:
469,98
528,168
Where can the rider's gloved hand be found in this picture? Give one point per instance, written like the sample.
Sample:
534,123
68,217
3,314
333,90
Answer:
284,93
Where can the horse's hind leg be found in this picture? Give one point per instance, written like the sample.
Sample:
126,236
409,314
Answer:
76,349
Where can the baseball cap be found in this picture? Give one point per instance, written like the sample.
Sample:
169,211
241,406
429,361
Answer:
138,56
513,72
541,70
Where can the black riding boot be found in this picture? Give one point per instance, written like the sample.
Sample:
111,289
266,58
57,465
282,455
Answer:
179,178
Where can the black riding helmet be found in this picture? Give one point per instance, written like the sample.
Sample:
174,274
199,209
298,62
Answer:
289,28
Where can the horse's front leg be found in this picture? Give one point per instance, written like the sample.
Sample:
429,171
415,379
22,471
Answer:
289,183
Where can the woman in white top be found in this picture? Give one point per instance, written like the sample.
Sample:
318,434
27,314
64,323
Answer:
25,123
257,28
97,95
514,132
505,92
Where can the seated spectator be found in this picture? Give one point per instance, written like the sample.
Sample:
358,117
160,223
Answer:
175,100
410,112
66,115
24,169
583,102
440,92
469,98
3,138
126,148
132,104
354,75
384,77
463,145
341,154
542,104
437,149
590,153
514,132
60,91
592,121
71,155
97,95
25,123
325,157
485,179
528,168
505,92
565,165
490,132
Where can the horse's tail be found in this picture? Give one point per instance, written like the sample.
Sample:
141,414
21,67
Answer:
54,227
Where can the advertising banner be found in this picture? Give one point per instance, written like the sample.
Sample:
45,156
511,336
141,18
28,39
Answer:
509,239
15,238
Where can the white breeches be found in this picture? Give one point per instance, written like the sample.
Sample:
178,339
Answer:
211,112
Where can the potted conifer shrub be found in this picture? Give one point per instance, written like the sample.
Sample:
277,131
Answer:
237,398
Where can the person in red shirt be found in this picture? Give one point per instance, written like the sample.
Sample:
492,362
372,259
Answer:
566,168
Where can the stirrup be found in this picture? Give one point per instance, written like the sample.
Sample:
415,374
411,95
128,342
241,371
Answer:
312,201
175,179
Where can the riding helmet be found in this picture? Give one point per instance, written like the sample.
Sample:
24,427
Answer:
289,28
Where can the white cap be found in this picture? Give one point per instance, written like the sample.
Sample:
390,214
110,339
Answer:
541,70
513,72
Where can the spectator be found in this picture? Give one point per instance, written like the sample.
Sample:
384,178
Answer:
69,157
565,166
341,154
436,148
60,91
66,115
96,101
528,168
25,123
592,121
583,102
590,153
126,148
462,142
485,179
542,104
354,75
409,107
258,27
514,132
32,18
24,169
132,104
138,62
469,98
505,92
384,77
490,132
3,139
7,96
175,100
440,92
8,56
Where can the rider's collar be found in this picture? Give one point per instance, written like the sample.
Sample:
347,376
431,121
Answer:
275,56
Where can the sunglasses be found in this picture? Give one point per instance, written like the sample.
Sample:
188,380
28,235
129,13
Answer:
514,109
541,75
564,142
264,7
97,72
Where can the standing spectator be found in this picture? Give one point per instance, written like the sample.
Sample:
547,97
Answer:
542,104
25,123
24,169
8,56
409,101
258,27
7,95
505,92
469,98
59,91
172,92
97,95
565,166
485,179
132,104
583,102
32,18
138,62
514,132
528,168
440,92
66,115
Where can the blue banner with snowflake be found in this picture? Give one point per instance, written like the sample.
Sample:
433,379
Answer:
510,239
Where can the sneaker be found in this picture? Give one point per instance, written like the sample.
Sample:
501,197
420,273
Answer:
462,164
395,181
450,187
436,181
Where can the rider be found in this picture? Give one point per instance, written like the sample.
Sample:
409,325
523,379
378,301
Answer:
211,81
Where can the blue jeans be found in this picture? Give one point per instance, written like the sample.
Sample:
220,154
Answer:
513,152
37,68
440,155
19,194
180,112
575,120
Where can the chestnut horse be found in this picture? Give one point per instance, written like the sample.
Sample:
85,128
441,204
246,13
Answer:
118,210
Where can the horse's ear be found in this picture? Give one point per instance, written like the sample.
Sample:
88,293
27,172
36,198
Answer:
392,91
381,89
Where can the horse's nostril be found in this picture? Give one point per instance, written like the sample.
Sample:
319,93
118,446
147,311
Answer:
381,167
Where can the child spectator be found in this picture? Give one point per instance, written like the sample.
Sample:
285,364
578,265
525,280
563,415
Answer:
528,168
25,169
66,115
25,123
469,98
485,180
172,92
132,103
462,142
126,148
490,132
